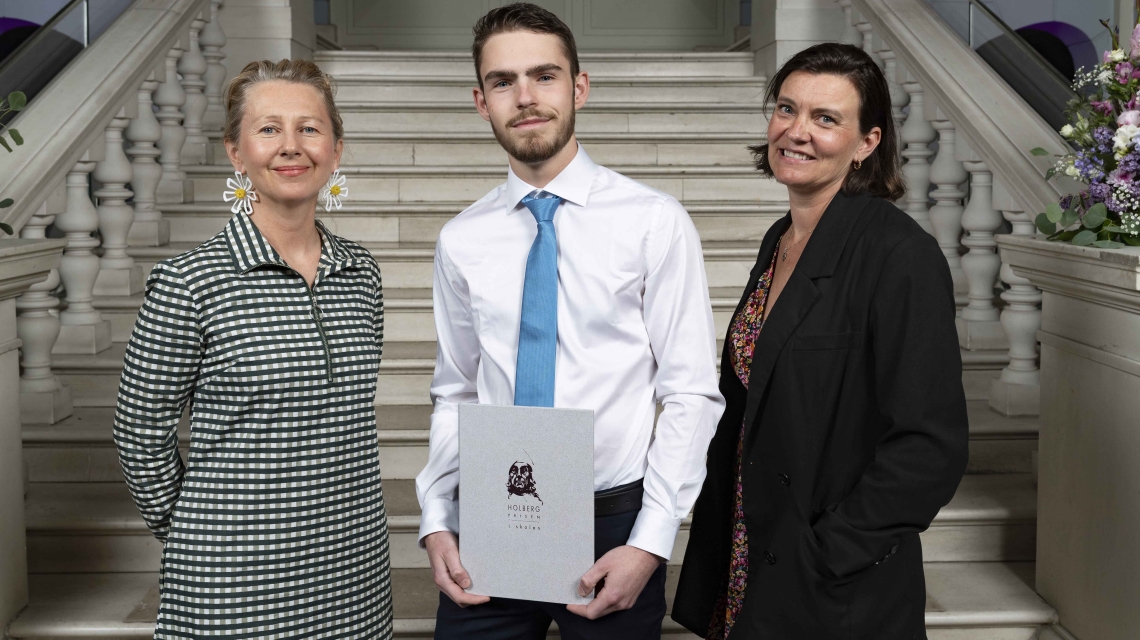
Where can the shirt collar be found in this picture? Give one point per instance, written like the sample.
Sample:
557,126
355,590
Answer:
573,184
250,249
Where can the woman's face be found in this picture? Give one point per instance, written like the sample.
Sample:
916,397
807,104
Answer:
813,136
286,145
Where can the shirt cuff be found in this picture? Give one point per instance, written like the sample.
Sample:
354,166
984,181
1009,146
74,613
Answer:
654,532
439,514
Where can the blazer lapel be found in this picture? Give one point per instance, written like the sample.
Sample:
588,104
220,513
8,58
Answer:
820,256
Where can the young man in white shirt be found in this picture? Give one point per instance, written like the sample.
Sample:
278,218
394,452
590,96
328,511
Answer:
632,327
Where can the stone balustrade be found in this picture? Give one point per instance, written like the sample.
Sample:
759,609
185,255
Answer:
169,102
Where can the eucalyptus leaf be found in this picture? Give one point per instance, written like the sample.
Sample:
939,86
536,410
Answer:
1107,244
1050,173
17,100
1038,151
1084,238
1066,236
6,229
1132,241
1069,218
1045,225
6,202
19,139
1053,211
1111,228
4,143
1095,216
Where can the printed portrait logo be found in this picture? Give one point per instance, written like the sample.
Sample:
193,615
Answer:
524,505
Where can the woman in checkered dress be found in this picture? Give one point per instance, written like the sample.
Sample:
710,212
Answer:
271,331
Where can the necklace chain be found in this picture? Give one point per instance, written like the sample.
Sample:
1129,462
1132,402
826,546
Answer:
784,253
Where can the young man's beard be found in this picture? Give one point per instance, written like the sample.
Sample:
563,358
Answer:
534,148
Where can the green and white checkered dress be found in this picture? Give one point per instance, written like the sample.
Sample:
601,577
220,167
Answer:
275,525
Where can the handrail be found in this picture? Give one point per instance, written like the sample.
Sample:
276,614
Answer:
1020,43
1000,127
39,34
74,108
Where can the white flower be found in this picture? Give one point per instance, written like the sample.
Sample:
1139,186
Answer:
1067,131
1072,172
242,193
1117,55
1122,139
334,191
1105,77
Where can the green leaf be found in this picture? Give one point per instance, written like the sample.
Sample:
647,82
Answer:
1069,218
4,143
6,229
1084,238
1095,216
1107,244
1053,211
1113,229
1038,151
17,100
19,139
1132,241
1050,173
6,202
1045,225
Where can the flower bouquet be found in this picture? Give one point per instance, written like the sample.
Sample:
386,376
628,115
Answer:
1105,133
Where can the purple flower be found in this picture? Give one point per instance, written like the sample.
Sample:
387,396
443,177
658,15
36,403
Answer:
1134,42
1104,106
1119,177
1067,201
1124,72
1128,117
1099,192
1130,163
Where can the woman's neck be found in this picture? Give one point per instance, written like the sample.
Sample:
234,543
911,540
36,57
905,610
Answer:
807,208
289,229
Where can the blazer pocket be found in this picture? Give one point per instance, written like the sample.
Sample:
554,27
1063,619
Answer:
828,342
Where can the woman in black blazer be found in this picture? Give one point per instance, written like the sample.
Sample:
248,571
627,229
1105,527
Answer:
845,429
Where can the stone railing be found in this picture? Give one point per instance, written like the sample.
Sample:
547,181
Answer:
980,177
127,113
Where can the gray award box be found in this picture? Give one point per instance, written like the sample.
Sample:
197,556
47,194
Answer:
526,501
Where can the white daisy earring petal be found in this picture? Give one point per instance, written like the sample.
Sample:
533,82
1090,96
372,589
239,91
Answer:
334,190
241,193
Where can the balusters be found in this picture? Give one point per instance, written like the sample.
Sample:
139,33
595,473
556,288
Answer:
850,35
917,134
866,35
43,398
174,187
948,175
212,40
82,327
978,325
149,228
1017,391
899,98
118,273
192,66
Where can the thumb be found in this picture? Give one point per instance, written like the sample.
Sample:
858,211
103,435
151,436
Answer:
455,569
591,578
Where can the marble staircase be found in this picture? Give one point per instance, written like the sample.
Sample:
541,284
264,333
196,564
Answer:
416,154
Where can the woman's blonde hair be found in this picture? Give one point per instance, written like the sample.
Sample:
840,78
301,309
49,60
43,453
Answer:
298,71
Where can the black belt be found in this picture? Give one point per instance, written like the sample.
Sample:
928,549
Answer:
621,499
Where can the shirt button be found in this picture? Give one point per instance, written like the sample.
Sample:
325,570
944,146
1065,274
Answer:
785,480
769,557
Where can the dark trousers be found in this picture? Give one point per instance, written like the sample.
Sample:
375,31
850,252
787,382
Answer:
506,619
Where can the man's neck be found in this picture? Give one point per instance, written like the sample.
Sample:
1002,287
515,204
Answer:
540,174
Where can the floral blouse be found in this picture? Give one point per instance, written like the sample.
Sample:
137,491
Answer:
743,333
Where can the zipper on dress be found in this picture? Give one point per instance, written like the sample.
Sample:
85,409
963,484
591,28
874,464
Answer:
315,313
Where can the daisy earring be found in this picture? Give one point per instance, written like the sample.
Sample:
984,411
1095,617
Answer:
334,191
241,193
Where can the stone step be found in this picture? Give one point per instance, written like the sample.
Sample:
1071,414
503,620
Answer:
421,221
965,601
408,265
450,184
597,64
625,117
402,88
481,149
93,527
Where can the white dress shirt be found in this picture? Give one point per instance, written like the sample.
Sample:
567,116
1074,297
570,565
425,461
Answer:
635,328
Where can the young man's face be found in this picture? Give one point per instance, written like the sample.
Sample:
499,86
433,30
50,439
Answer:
529,95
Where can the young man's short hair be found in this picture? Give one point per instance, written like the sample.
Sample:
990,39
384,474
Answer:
522,16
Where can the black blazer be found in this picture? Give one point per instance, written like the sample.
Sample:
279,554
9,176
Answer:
857,436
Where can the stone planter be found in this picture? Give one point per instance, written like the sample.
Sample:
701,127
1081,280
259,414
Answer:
1088,518
22,264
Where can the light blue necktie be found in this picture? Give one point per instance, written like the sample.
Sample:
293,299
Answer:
538,330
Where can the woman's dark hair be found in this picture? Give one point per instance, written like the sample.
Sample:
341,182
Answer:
522,16
880,174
